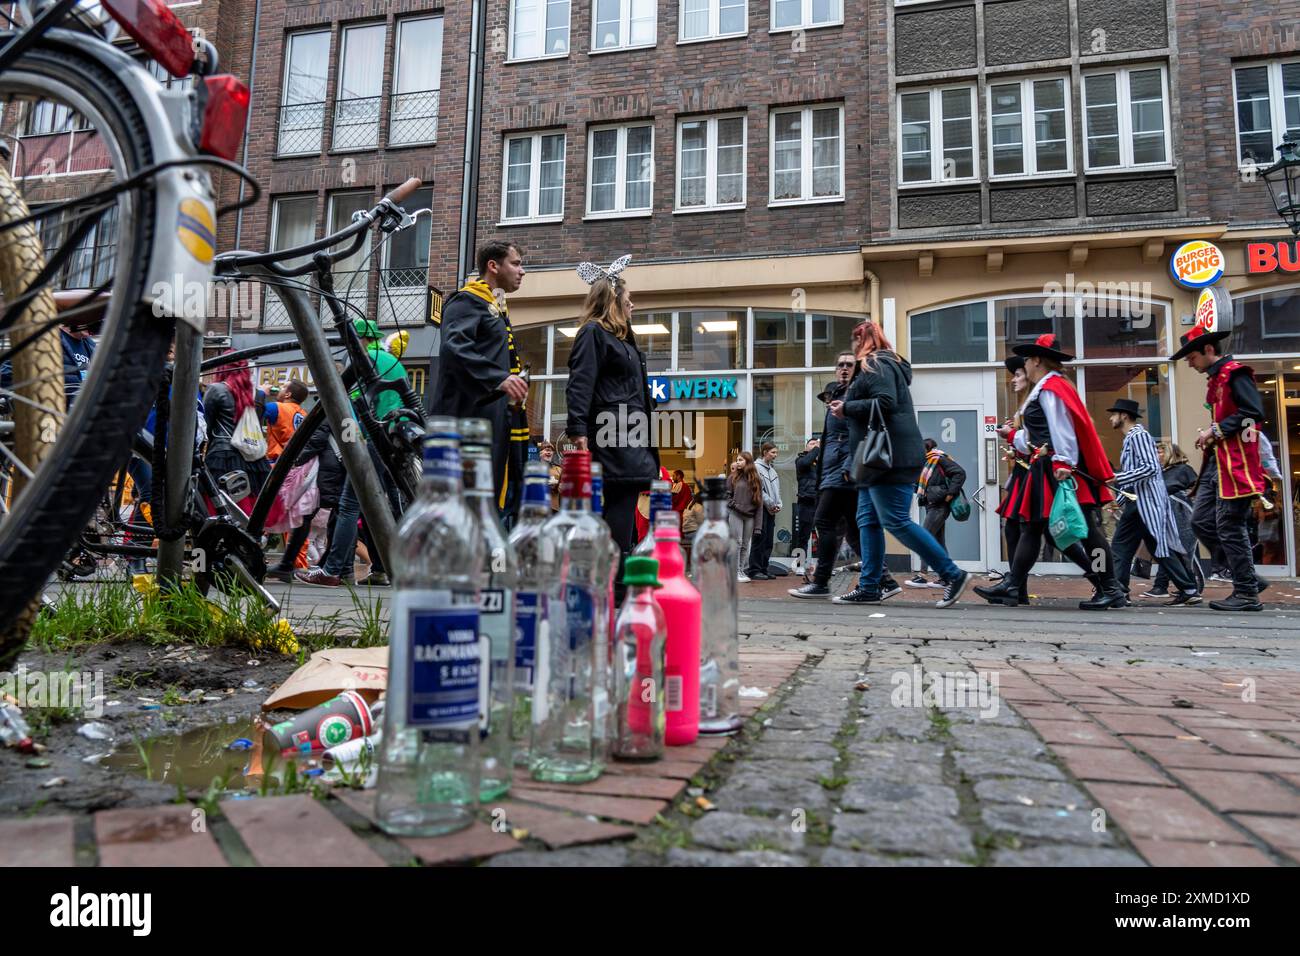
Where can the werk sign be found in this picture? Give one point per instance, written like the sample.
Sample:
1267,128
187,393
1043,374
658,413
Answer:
663,390
1197,264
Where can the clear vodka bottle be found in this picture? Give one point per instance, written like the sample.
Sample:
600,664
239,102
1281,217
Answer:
713,572
496,605
661,499
537,550
430,760
606,689
568,739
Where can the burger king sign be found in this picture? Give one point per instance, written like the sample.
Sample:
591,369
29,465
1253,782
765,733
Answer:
1197,264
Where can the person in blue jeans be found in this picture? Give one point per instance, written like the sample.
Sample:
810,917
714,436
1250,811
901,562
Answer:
883,381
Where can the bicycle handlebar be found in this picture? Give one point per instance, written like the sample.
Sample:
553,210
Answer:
399,194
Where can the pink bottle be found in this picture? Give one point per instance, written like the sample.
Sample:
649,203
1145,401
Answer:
681,606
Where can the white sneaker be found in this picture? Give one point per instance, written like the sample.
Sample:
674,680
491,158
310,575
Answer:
918,581
742,578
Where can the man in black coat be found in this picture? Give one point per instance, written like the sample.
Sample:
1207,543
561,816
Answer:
942,486
479,370
805,471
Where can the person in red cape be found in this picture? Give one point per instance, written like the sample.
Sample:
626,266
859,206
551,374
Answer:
1061,442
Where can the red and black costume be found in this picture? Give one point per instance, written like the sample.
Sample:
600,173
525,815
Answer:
1058,433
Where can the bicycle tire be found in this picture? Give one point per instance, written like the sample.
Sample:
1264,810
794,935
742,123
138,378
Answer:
124,374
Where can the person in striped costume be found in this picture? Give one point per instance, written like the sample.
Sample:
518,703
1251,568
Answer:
1150,519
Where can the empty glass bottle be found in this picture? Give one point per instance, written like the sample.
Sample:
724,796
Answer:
713,571
430,760
496,604
639,637
661,499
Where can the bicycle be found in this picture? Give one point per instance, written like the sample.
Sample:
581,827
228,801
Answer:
147,217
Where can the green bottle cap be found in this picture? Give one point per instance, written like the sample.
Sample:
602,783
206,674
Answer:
641,572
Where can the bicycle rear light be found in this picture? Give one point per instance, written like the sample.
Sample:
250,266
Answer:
224,116
152,24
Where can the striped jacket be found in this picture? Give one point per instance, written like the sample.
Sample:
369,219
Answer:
1140,473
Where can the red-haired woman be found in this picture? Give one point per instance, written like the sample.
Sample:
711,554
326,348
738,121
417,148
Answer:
224,403
885,497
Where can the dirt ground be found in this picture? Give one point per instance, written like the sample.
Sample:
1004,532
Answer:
132,671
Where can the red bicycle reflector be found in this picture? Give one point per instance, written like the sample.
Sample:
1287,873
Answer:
224,116
152,24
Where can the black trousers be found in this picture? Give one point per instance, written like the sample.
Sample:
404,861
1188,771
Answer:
936,520
1130,531
1011,529
761,551
805,511
1205,520
619,511
833,506
1223,526
1092,555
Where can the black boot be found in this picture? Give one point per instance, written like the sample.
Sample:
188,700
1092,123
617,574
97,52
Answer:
1105,594
1006,593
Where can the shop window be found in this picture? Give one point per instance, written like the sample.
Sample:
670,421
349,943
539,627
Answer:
559,413
1148,385
711,340
779,339
563,346
1267,322
1116,327
780,418
1021,321
654,337
956,334
530,342
831,335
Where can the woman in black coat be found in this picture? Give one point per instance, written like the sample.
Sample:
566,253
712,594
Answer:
1180,479
608,397
883,382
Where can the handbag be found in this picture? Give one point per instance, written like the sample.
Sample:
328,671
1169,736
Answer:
960,506
1066,524
248,439
875,453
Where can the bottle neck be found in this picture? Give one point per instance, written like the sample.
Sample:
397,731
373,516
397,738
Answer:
575,504
443,475
480,481
668,551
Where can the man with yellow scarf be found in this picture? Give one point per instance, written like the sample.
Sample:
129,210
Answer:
479,370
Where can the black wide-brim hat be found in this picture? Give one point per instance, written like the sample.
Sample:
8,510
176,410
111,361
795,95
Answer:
1128,406
1195,340
1044,347
1014,363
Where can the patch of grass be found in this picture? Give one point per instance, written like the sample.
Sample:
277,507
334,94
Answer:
1136,660
172,696
372,631
837,782
940,724
818,832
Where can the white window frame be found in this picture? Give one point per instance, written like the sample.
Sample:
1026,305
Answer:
1276,105
806,197
326,114
805,20
1028,142
394,93
625,29
711,165
936,136
512,57
620,181
715,21
1125,107
534,176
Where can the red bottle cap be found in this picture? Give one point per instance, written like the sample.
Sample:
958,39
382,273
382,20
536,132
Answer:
575,477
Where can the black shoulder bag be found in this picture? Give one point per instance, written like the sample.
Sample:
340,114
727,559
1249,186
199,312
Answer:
875,454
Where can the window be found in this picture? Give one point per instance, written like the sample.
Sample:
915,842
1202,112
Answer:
1267,322
417,79
708,340
539,28
1268,109
351,275
711,163
793,14
45,117
712,19
293,222
954,334
622,24
620,172
1029,127
302,101
807,154
356,104
404,282
1126,124
159,73
534,178
936,135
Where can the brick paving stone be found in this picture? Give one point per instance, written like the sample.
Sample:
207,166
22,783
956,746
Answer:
40,841
696,752
1047,823
610,785
834,856
1248,743
1161,813
1066,855
872,794
934,836
297,831
558,829
761,858
475,842
1050,712
1167,749
1230,762
1228,790
1185,853
154,836
778,750
1104,763
737,831
978,765
629,809
1046,793
1276,831
603,856
1139,724
1074,732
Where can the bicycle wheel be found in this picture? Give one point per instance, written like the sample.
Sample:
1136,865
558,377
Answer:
59,454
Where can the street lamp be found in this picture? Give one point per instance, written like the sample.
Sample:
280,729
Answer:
1283,179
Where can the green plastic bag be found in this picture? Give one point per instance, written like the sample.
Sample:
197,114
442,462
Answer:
960,506
1066,524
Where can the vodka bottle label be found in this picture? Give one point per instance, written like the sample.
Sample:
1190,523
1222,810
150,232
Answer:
580,612
448,662
673,692
494,619
527,604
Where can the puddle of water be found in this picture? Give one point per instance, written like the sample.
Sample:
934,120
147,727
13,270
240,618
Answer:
196,758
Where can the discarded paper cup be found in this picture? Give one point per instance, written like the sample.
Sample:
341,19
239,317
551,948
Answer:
350,755
334,722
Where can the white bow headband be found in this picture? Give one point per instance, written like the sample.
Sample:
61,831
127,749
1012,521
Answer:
592,273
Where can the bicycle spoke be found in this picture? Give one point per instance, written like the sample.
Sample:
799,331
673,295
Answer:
17,462
33,404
